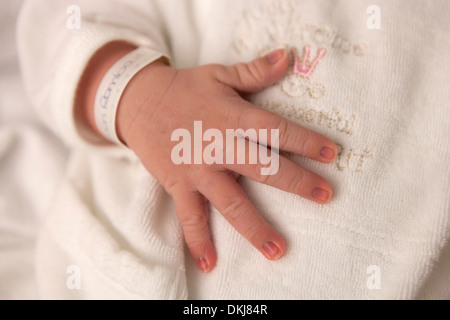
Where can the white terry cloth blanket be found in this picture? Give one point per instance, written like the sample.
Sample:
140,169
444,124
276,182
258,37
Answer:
32,163
381,94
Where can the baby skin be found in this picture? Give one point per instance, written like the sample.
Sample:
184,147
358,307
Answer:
161,99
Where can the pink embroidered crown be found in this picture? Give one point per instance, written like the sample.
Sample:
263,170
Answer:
304,70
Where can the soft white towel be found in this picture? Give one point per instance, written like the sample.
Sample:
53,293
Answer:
31,163
380,94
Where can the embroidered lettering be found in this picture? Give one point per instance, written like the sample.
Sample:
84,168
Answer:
305,69
333,119
352,159
283,25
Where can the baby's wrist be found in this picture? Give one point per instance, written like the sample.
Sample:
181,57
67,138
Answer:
92,76
113,86
140,95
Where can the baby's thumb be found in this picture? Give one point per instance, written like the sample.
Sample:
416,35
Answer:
257,74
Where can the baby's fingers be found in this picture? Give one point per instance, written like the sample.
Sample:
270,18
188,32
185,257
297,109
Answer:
282,174
192,211
257,74
291,136
222,190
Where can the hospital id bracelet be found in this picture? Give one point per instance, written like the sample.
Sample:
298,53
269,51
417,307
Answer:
112,86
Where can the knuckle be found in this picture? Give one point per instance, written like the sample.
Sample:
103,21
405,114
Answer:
240,70
242,75
235,210
252,228
195,240
283,125
285,135
255,232
307,142
218,71
265,179
256,73
193,221
171,185
297,183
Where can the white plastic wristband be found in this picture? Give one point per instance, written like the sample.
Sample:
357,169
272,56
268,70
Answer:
112,86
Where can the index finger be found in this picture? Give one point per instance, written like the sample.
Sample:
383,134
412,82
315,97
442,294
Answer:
292,136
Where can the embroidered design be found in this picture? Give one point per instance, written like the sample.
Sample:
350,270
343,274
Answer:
283,23
333,119
303,69
351,159
354,159
294,87
316,90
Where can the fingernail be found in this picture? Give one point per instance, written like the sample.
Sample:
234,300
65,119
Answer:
203,264
327,153
272,250
275,56
321,194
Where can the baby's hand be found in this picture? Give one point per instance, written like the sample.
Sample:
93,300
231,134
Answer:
160,99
